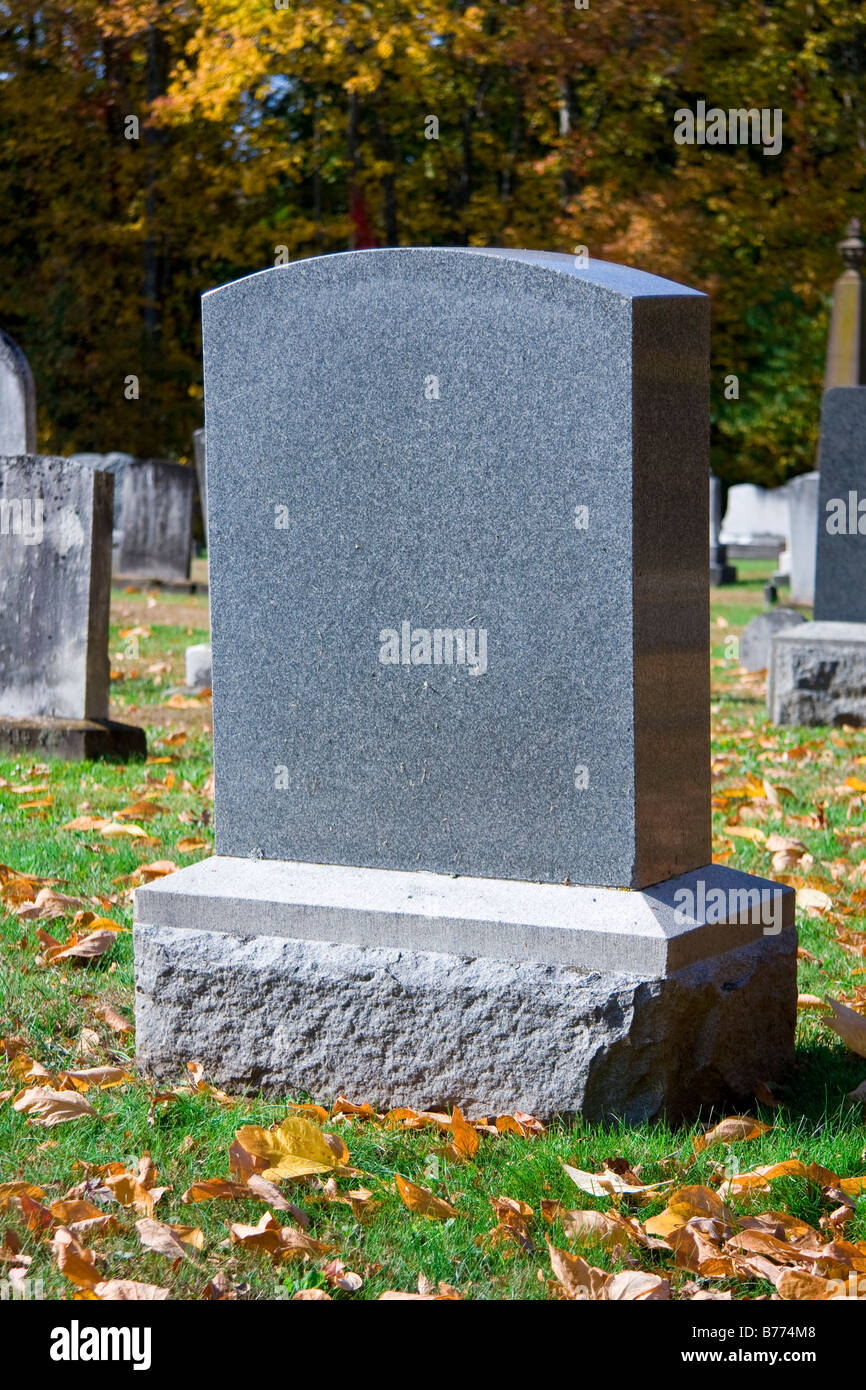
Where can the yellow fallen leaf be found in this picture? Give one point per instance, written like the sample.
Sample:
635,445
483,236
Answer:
294,1149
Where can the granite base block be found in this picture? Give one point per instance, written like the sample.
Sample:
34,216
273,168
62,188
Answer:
398,1027
817,675
74,740
418,989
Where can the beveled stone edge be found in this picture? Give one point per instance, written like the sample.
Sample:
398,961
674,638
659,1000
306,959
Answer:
607,929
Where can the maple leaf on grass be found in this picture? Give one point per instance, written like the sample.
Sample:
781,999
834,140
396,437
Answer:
295,1148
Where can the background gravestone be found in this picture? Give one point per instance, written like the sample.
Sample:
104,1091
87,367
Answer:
153,501
720,571
17,400
803,504
55,546
840,579
498,456
199,444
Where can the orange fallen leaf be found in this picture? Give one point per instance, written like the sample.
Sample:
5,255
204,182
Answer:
423,1202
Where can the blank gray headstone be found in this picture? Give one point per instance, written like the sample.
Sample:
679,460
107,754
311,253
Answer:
840,576
55,528
17,400
498,447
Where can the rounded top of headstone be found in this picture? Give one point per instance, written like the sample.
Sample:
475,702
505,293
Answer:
12,356
465,263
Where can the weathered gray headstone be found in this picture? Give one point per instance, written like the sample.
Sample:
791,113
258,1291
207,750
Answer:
55,548
461,698
757,638
803,507
756,521
840,579
17,400
152,516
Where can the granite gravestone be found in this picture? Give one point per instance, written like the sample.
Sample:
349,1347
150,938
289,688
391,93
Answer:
55,549
460,642
17,400
840,578
818,672
153,501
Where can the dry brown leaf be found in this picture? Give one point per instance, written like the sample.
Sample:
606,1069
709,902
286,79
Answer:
174,1241
215,1189
190,844
74,1262
128,1291
270,1193
48,1108
734,1130
116,1022
88,947
423,1202
797,1284
685,1204
48,905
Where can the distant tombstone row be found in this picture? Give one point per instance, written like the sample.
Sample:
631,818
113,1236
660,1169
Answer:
55,579
765,523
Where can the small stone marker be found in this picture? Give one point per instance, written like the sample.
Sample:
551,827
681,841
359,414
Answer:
55,549
756,640
17,400
198,666
461,699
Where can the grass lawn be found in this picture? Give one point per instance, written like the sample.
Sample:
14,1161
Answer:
349,1228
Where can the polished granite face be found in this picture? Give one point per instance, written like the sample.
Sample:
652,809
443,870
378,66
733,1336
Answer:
458,548
840,573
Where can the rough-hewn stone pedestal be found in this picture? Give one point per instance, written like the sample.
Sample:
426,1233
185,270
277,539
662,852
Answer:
817,675
290,977
75,740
